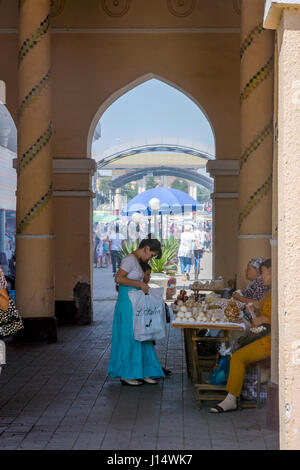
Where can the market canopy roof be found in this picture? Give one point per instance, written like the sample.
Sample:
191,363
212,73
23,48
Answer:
105,218
172,201
155,152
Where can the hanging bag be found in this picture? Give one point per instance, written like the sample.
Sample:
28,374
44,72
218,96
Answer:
10,321
220,374
148,315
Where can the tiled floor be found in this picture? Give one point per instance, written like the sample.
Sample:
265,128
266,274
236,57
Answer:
58,396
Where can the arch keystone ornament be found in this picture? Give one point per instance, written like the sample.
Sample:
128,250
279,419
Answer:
181,8
115,8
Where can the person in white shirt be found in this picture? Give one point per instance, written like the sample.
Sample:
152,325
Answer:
185,252
117,243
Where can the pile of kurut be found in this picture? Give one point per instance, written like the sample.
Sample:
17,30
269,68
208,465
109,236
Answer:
210,310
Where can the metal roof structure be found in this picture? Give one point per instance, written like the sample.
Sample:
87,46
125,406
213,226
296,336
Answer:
189,175
155,152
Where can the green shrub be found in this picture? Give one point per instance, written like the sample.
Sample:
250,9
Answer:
168,261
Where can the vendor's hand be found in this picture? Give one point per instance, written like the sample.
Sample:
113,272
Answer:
250,309
145,288
237,296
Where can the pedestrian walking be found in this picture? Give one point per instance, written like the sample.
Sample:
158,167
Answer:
117,243
185,252
100,254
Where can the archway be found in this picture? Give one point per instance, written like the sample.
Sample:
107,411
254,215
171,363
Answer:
130,86
128,162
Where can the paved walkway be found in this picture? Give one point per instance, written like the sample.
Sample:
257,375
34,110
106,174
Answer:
58,396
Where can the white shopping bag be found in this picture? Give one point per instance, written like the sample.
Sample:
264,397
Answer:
148,314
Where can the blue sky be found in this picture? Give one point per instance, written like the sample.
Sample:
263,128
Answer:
153,109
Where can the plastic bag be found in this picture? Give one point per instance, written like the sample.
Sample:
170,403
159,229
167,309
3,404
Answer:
148,314
220,374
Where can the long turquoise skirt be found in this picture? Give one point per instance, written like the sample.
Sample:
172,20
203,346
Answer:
130,359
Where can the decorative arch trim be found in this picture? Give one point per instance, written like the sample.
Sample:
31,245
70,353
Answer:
130,86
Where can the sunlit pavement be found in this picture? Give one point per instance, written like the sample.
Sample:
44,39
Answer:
58,396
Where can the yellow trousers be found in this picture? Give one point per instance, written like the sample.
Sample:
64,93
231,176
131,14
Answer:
253,352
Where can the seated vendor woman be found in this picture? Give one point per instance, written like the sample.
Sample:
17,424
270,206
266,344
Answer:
253,352
256,289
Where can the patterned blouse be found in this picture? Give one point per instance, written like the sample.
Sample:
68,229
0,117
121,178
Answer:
256,290
3,283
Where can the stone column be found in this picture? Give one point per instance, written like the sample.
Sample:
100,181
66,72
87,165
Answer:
192,189
256,99
34,243
140,187
117,201
225,212
286,21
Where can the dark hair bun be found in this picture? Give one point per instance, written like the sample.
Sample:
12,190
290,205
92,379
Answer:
153,244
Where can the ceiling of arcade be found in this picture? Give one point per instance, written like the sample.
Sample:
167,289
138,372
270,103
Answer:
133,13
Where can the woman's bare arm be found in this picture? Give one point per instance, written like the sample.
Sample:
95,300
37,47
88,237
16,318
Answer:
245,300
122,279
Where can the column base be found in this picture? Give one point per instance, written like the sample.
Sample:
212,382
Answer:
272,421
66,312
78,311
38,329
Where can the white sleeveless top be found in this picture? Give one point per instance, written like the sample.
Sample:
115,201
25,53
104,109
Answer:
131,265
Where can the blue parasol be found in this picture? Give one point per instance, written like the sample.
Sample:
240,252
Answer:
172,201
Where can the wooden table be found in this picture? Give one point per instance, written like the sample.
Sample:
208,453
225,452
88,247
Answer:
204,391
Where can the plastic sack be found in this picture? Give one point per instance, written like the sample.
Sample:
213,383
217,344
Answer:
220,374
148,314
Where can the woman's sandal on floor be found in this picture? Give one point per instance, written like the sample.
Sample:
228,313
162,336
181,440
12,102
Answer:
149,381
219,409
132,383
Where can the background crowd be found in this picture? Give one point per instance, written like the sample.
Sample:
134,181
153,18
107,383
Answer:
110,239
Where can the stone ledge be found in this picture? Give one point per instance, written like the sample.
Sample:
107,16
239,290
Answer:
273,10
71,165
223,167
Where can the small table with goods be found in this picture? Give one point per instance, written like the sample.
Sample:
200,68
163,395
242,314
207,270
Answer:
194,315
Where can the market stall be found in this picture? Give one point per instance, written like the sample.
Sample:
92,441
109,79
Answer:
206,317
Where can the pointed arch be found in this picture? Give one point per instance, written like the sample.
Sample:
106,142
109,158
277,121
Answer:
130,86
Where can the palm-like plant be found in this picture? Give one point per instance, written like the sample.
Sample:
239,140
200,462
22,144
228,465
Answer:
168,261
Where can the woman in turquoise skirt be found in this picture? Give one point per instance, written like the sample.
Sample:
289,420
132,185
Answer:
133,362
